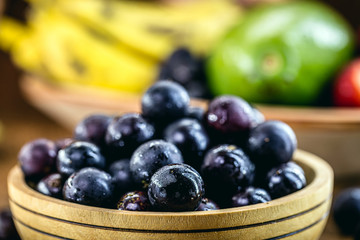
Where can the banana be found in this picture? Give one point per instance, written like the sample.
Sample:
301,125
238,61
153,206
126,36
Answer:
157,29
75,54
11,31
111,44
50,50
16,38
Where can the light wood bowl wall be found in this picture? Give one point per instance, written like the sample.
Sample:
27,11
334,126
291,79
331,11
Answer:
301,215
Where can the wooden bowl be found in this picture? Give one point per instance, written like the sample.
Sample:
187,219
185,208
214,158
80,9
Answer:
301,215
331,133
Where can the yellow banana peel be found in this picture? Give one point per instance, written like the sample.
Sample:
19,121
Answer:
111,44
11,31
75,54
19,41
157,29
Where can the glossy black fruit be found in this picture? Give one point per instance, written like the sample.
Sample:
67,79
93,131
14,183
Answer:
7,226
196,113
272,143
180,67
78,155
176,187
64,142
229,115
162,174
191,138
226,169
122,178
357,232
37,158
92,129
258,117
165,102
151,156
198,89
285,179
346,210
250,196
126,133
184,68
51,185
89,186
207,205
134,201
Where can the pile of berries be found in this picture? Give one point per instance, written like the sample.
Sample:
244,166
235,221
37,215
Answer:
170,157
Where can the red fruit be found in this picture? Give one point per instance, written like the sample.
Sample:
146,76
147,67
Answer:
347,86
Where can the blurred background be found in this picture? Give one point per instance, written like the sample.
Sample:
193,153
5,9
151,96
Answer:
61,60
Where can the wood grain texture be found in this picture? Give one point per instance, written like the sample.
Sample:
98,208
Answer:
298,215
331,133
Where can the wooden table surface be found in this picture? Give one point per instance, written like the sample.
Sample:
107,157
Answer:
23,123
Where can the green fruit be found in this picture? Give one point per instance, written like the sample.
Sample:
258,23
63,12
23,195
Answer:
282,53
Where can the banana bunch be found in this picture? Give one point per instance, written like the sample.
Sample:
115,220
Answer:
112,44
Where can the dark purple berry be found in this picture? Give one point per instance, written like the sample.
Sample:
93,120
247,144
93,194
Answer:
187,70
229,115
134,201
78,155
196,113
7,226
122,178
258,117
250,196
89,186
180,67
151,156
272,143
51,185
226,169
357,232
191,138
126,133
198,89
165,102
92,129
346,210
37,158
176,187
64,142
207,205
285,179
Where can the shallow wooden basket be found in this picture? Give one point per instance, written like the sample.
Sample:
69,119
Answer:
301,215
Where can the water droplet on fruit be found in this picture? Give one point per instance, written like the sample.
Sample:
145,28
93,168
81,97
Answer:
212,118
